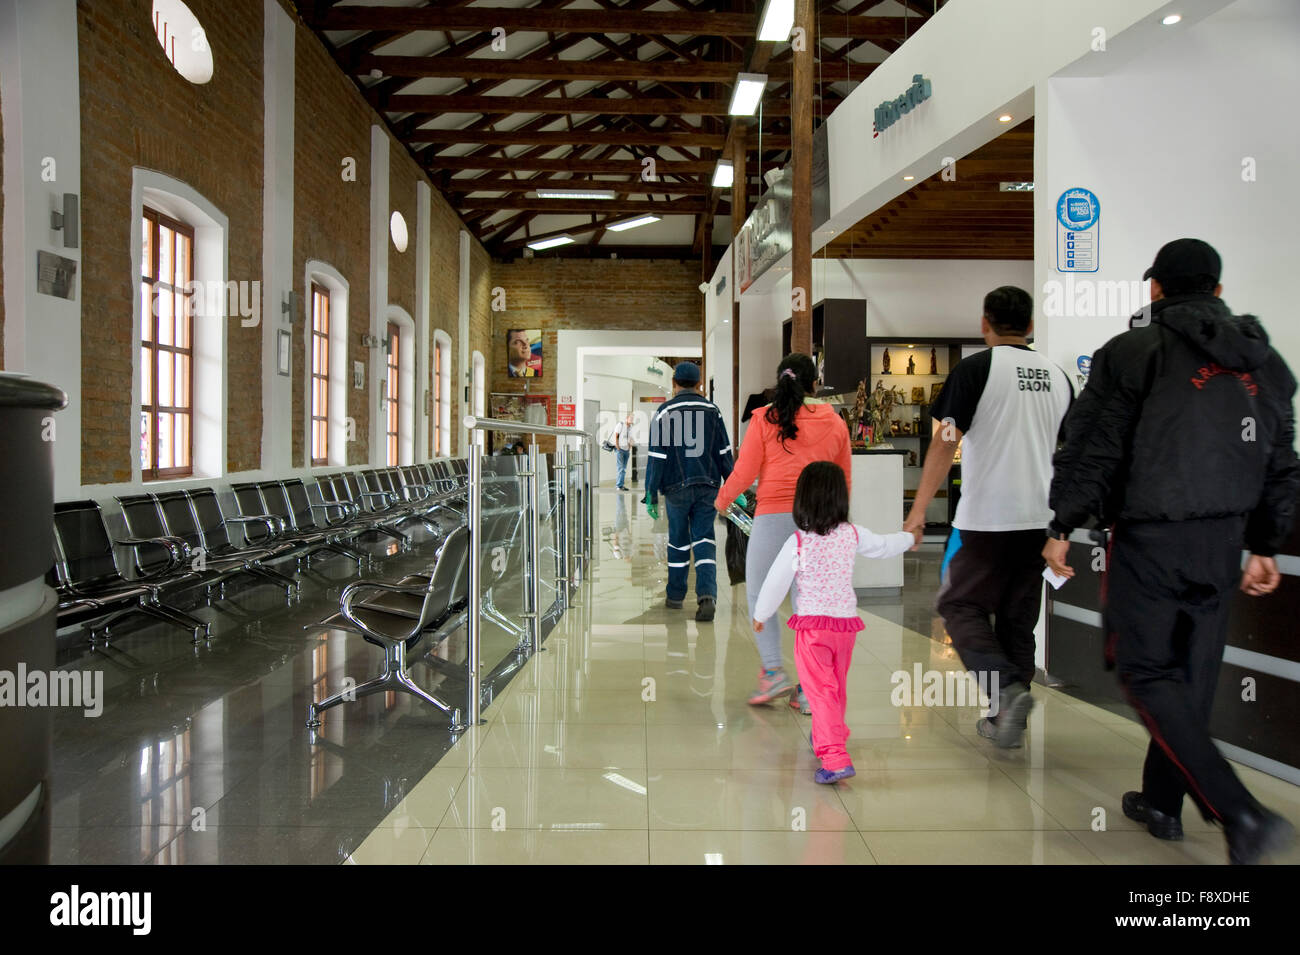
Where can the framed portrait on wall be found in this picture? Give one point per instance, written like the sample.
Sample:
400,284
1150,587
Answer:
524,352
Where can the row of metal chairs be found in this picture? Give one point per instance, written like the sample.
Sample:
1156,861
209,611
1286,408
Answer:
180,540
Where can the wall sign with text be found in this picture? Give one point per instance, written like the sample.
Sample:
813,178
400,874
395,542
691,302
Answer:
1078,231
891,110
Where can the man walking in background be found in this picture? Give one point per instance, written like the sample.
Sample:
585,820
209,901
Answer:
1008,403
622,449
1183,438
689,458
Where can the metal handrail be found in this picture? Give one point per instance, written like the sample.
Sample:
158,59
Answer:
522,427
474,516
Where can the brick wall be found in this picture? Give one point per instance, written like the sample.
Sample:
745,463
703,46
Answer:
403,175
138,111
554,293
331,217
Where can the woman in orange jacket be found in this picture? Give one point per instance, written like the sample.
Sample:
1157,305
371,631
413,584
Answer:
795,430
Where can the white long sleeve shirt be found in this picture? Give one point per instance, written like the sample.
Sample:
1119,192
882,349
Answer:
826,575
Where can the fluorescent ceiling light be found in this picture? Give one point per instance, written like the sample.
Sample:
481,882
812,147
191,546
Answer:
1016,187
550,243
748,91
575,193
633,223
724,175
1171,19
778,19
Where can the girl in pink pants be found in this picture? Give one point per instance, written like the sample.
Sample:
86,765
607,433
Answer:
820,557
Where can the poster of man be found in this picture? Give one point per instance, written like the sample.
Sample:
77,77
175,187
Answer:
524,352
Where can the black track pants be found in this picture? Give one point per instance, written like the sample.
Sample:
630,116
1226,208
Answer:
1169,590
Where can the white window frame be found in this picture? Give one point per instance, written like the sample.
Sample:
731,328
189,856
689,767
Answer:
180,201
478,390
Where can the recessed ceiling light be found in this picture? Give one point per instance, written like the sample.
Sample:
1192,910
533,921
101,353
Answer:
748,91
633,223
908,178
575,193
1004,118
550,243
1171,19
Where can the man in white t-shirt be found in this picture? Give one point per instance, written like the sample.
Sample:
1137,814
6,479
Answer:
1007,403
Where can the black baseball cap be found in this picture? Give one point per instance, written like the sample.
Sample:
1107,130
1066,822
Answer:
1185,258
686,373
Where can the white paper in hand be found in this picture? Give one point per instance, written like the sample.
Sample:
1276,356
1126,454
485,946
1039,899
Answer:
1053,578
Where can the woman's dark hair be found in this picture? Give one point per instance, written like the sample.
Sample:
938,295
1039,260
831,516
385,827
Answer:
821,498
790,391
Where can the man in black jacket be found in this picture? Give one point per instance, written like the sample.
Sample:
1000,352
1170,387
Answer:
1183,440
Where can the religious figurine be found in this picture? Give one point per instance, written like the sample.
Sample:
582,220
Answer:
934,363
884,363
911,365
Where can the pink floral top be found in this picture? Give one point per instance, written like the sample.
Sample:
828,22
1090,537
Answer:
822,568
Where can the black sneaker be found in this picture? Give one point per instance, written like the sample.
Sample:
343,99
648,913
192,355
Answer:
1013,715
1159,824
673,604
706,608
1256,833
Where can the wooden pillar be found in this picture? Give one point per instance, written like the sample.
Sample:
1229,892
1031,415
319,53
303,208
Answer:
739,210
801,121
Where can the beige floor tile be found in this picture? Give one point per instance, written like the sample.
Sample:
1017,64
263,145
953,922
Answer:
743,799
758,848
940,800
882,755
545,847
582,706
1130,847
775,747
427,802
392,846
549,798
1004,847
563,745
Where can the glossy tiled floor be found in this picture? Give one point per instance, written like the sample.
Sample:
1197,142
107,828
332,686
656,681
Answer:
628,741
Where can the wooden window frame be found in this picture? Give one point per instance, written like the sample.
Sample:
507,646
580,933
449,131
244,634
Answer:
320,414
149,371
393,424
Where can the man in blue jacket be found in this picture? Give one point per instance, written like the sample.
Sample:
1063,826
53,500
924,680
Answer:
689,458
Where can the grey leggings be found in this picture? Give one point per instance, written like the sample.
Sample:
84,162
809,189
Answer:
769,535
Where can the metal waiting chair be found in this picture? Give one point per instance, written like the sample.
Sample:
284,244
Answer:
91,589
395,618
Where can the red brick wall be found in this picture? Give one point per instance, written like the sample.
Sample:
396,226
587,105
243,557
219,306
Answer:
331,217
138,111
554,294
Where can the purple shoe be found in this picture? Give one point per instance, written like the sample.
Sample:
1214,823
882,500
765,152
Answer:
833,775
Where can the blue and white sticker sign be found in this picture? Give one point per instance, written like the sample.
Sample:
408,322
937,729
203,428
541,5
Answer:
1078,231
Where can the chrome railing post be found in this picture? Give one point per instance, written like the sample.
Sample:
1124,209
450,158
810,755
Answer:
534,549
475,521
588,502
562,520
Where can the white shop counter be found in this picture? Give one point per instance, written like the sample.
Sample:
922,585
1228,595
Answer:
876,502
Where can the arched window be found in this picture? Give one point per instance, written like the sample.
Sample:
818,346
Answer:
399,388
440,419
325,340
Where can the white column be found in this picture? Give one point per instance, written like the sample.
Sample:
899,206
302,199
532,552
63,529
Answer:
277,236
40,91
378,283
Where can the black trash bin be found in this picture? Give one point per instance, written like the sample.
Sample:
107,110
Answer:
28,610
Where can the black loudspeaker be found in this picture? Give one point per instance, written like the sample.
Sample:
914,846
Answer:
67,220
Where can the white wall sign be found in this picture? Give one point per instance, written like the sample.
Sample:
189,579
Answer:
359,375
1078,231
